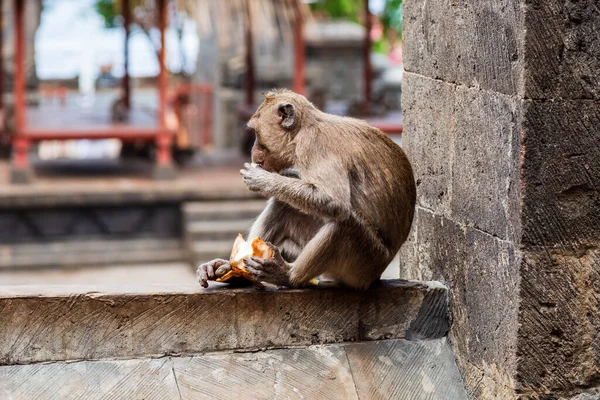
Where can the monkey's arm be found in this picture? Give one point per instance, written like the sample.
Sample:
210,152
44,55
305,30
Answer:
305,196
259,226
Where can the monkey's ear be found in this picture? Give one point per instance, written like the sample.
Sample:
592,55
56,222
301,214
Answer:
287,112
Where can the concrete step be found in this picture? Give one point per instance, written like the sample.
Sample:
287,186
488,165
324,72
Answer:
90,252
217,230
179,273
387,369
222,210
211,227
62,323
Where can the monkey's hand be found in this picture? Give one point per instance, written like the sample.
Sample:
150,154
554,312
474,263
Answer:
256,178
212,270
273,270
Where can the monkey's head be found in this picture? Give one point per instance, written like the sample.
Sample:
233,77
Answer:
275,124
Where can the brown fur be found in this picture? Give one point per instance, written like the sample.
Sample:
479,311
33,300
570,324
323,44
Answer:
349,204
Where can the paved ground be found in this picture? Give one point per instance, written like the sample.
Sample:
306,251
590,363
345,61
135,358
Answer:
77,113
389,369
171,273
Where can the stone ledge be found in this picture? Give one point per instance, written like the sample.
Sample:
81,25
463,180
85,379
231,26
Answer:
62,323
43,196
388,369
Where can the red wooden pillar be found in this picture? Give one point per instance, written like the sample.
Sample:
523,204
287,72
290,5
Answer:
368,70
20,168
249,56
19,66
299,53
162,75
126,11
2,59
164,167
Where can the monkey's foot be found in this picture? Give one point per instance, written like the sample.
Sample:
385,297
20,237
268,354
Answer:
274,270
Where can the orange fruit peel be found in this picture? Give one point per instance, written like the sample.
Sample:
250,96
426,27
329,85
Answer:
243,249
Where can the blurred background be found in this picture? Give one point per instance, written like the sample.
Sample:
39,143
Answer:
122,123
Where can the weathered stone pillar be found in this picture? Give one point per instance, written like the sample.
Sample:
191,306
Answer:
502,125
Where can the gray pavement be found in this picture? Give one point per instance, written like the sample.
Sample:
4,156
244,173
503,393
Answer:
388,369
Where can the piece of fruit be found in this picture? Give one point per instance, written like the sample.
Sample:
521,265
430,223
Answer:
254,248
242,249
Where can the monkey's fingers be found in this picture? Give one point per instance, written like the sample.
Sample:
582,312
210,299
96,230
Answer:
245,175
210,271
206,271
268,270
216,262
223,270
274,249
202,276
256,273
245,169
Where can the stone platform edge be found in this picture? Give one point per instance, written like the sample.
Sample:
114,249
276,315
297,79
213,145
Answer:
31,197
68,323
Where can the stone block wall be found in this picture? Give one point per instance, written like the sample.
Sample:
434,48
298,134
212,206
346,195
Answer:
502,124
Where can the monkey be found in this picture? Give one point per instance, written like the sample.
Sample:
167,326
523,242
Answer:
342,196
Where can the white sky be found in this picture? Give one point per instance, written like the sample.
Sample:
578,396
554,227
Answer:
376,6
72,40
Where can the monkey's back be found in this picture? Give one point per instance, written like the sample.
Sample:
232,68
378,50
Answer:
381,182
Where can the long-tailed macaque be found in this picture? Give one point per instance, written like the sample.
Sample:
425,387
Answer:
342,196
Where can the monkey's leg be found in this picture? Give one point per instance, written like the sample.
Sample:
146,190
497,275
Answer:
286,228
337,252
320,254
265,219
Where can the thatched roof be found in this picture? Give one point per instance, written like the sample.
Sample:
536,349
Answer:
274,18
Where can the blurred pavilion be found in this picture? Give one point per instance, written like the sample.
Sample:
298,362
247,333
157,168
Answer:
211,58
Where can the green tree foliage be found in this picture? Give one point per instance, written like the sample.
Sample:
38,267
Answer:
347,9
391,21
391,18
108,11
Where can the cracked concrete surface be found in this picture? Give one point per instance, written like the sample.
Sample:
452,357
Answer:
387,369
